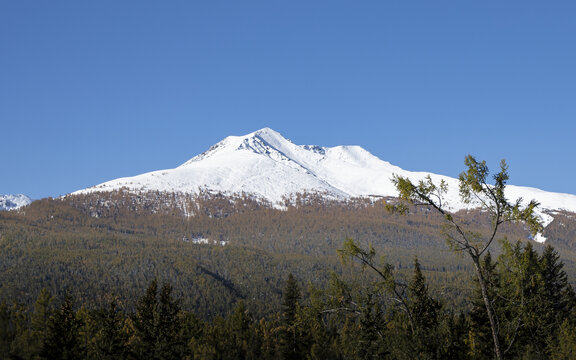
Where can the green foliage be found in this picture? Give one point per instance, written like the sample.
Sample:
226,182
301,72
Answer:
234,300
145,322
474,189
532,298
291,296
6,333
63,334
292,340
564,348
158,325
384,271
102,244
345,321
111,339
539,296
424,308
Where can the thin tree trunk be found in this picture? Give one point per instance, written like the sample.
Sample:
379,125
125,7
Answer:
489,310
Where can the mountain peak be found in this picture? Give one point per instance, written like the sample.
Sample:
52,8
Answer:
267,133
266,142
266,164
262,141
14,202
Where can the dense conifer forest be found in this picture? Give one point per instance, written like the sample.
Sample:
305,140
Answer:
348,320
162,276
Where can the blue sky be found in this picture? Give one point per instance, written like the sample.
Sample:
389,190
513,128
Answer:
92,91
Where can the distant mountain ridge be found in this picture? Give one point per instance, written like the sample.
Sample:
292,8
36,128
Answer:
269,166
14,202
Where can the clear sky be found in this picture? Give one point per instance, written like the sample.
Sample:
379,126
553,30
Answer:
95,90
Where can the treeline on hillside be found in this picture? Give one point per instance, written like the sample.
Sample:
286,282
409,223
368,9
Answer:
375,317
95,245
307,223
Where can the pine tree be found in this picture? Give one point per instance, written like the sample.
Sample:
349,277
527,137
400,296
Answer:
370,329
236,336
111,339
290,344
158,324
322,327
169,324
425,311
240,331
145,322
62,339
565,345
557,292
30,330
555,299
535,298
291,298
6,333
424,308
21,343
41,315
533,303
452,342
192,331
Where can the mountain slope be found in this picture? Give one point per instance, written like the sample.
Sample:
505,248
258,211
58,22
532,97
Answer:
269,166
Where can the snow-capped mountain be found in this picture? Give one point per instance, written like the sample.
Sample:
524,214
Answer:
267,165
13,202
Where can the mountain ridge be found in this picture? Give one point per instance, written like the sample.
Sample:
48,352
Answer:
266,164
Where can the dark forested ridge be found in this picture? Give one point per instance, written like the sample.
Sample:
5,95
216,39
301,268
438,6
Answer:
227,260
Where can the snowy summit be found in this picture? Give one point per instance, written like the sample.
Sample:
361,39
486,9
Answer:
14,202
267,165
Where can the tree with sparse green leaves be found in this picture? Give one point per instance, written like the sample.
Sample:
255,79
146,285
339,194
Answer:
387,280
475,189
